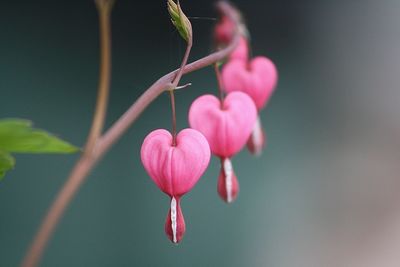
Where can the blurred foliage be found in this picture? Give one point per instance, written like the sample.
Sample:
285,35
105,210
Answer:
18,136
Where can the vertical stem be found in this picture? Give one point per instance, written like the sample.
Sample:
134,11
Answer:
183,64
175,83
87,160
220,83
104,10
172,95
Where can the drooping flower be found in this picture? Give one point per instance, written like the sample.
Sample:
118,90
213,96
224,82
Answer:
257,78
175,169
224,30
226,125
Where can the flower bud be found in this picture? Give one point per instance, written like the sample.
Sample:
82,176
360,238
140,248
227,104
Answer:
180,21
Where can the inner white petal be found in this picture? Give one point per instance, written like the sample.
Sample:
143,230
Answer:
173,219
257,137
228,170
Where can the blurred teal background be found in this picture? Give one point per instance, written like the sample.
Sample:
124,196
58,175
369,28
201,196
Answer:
324,193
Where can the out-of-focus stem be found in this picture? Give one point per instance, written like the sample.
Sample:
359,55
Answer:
86,161
104,9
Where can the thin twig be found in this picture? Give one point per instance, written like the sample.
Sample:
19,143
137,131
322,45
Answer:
104,10
85,164
183,64
220,83
173,116
175,83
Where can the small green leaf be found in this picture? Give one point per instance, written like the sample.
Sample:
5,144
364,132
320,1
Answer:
18,136
7,162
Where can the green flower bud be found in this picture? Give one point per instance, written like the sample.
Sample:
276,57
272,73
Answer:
179,19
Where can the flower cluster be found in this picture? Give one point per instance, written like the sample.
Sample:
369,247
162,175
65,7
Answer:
221,126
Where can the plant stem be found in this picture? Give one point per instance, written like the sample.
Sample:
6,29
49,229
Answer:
87,161
175,83
76,178
183,64
104,10
172,96
84,165
220,83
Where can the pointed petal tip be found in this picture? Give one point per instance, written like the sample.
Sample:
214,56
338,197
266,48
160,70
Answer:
228,185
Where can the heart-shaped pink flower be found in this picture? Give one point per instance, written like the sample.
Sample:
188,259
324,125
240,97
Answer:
227,125
256,78
175,169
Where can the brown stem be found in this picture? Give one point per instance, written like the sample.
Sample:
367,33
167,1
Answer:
86,163
104,10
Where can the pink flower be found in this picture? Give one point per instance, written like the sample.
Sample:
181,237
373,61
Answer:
223,31
175,169
226,126
256,78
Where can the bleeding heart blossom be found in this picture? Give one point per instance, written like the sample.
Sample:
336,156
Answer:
224,29
226,125
175,169
258,79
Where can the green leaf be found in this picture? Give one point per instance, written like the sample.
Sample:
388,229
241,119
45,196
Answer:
18,136
7,162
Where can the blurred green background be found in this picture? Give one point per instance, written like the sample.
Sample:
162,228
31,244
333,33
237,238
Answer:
324,193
